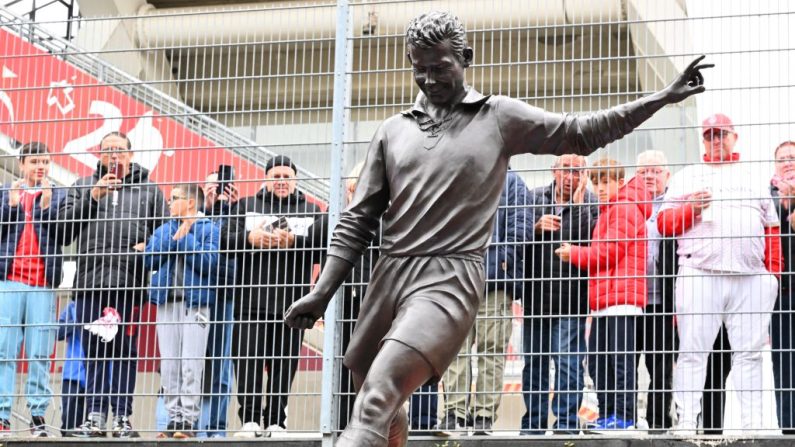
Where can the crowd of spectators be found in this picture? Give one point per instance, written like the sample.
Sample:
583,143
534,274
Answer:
681,272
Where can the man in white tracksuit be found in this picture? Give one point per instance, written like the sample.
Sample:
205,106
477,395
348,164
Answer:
729,250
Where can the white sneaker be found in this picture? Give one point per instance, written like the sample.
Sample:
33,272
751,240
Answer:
642,426
249,430
275,431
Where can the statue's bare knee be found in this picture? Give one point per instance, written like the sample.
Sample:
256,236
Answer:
377,402
397,371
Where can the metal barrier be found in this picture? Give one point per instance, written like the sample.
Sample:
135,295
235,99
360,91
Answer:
172,326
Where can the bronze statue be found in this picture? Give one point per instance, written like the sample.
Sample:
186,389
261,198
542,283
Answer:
435,173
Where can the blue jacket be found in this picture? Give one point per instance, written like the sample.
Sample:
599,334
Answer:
199,253
512,227
50,232
70,331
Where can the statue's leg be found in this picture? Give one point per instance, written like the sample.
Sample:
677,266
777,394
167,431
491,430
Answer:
378,419
399,429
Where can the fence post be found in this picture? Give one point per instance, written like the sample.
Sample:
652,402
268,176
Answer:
343,58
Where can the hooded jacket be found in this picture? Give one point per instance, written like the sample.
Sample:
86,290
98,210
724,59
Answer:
616,258
49,232
106,233
196,253
270,280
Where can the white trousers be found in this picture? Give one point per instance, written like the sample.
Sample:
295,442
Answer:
704,300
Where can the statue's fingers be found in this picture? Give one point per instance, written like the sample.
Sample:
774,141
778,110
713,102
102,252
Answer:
289,318
307,322
695,62
696,80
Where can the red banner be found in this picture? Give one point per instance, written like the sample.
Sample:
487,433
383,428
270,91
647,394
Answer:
43,98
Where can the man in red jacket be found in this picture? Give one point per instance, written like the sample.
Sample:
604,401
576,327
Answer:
729,250
616,264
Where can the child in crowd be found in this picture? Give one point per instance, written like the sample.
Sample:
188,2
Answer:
183,252
616,264
30,269
73,382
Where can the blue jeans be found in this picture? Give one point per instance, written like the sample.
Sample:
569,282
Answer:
218,371
26,312
424,407
562,340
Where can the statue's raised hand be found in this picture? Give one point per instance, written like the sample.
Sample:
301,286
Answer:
688,83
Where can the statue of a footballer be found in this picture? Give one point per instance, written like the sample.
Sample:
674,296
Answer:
435,173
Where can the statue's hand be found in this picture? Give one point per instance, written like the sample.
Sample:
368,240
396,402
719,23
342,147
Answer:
305,312
688,83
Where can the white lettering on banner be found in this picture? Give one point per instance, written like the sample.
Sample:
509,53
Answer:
58,90
144,136
7,73
78,148
147,142
6,100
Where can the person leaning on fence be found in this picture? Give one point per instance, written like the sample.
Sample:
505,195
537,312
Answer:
616,263
218,202
656,336
556,298
729,252
783,320
504,264
110,215
435,172
31,268
183,253
271,234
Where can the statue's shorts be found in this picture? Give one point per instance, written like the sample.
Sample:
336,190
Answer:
426,303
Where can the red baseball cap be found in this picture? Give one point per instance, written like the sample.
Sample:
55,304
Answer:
717,121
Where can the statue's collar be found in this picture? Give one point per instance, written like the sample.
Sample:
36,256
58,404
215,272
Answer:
473,97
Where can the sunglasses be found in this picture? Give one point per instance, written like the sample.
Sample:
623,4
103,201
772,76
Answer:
175,198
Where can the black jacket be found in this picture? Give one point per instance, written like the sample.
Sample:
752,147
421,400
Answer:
106,233
668,268
270,280
555,287
787,245
227,275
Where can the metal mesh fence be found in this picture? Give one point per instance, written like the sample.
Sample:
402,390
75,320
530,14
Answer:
194,161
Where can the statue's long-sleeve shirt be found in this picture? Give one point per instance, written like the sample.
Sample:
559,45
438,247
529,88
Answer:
438,191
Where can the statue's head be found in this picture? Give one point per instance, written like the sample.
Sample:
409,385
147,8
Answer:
437,48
